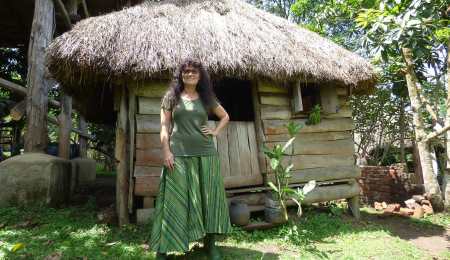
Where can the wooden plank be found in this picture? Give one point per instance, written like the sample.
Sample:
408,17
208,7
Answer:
132,136
274,100
342,91
244,149
342,112
222,148
148,202
233,149
152,89
141,170
242,181
329,99
253,198
267,87
149,106
253,149
275,112
326,125
318,161
145,141
146,186
302,146
297,103
323,174
260,137
328,193
65,124
148,123
149,157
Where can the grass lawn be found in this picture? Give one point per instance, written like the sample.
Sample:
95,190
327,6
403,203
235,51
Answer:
73,233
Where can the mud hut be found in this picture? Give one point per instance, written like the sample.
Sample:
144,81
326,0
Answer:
266,71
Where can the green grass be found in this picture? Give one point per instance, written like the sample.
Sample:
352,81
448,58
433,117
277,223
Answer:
74,233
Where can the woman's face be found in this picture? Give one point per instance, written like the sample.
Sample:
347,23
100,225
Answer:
190,75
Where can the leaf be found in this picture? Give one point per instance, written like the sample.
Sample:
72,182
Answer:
17,247
286,145
273,186
309,187
274,163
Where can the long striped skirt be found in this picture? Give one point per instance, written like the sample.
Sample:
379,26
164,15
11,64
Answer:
191,202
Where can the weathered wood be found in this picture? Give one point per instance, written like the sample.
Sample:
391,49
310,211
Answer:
329,99
328,193
140,170
242,181
267,87
82,141
260,137
145,141
275,112
302,146
132,136
323,174
233,149
311,137
152,89
19,110
149,202
149,106
253,150
342,91
326,125
38,82
297,103
318,161
244,149
122,135
222,148
65,120
149,157
343,111
146,186
148,123
275,100
256,198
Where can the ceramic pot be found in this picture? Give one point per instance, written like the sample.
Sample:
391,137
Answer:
239,213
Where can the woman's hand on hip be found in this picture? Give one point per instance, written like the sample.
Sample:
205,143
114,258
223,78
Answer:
208,131
169,160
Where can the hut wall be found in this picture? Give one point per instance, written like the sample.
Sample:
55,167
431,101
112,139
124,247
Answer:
320,152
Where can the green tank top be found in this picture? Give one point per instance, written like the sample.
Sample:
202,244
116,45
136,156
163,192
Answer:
187,138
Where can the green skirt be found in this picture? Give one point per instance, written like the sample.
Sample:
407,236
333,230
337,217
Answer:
191,202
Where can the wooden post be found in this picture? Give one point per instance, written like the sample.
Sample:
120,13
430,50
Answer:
132,132
65,125
38,82
81,139
260,137
122,157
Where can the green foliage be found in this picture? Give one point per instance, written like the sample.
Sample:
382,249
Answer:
314,116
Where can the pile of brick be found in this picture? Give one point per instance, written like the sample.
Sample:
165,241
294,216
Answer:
417,207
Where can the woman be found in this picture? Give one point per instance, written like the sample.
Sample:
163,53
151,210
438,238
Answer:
191,203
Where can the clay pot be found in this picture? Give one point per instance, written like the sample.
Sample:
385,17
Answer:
273,212
239,213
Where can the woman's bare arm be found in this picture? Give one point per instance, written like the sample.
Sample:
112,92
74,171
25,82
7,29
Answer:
220,112
166,119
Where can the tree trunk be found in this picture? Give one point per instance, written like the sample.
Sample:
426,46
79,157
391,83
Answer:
446,179
38,82
431,184
402,129
65,125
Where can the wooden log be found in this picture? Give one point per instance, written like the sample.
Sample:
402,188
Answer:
152,89
122,157
149,106
303,146
318,161
22,91
82,140
38,82
267,87
146,141
149,157
146,186
259,129
148,123
328,193
275,100
132,148
140,170
65,120
19,110
327,125
275,112
329,99
323,174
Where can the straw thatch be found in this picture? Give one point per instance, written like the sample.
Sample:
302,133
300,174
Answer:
231,37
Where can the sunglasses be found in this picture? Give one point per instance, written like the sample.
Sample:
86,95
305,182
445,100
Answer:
190,71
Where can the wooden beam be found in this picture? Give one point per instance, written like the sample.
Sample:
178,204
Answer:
20,90
65,120
82,140
132,149
37,93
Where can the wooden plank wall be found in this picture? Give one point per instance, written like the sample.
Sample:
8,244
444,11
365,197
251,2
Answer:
323,151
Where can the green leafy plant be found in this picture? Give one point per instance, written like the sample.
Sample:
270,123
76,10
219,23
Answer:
282,172
314,116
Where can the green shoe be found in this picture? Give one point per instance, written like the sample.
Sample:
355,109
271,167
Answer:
211,248
161,256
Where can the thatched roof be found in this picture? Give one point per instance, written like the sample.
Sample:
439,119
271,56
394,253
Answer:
231,37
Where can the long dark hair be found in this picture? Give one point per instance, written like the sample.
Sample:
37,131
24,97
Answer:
204,86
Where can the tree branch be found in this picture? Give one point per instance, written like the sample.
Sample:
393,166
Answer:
436,133
85,9
64,13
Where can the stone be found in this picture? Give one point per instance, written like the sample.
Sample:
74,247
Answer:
418,212
418,198
34,179
144,216
84,171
